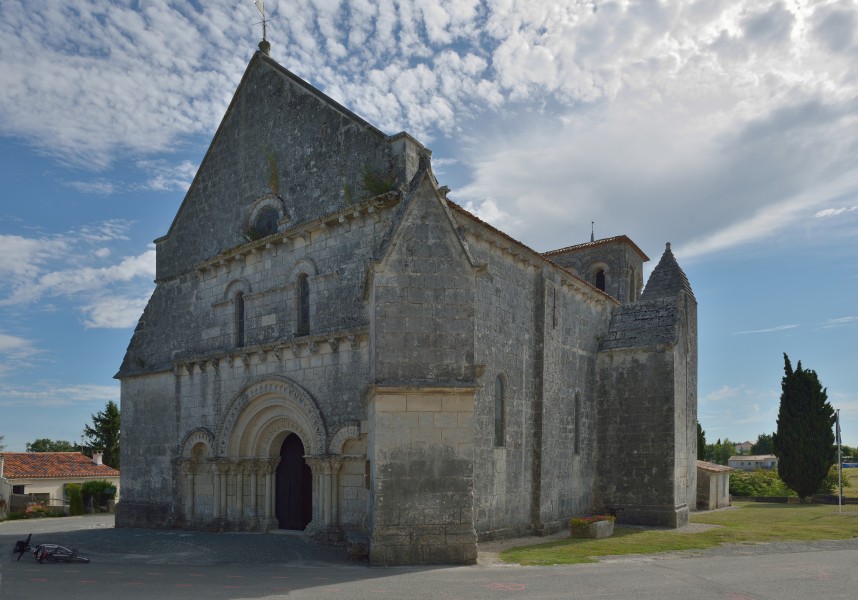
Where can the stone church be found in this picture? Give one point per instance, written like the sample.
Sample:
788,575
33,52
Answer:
334,346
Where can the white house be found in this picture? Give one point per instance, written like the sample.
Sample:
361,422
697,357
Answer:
43,475
765,462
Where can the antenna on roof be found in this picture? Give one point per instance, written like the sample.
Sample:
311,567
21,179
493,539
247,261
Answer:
592,231
264,46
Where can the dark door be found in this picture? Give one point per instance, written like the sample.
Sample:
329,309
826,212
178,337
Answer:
294,486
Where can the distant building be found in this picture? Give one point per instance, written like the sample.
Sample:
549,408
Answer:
765,462
43,475
744,447
713,485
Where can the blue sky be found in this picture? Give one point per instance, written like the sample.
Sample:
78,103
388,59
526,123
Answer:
727,128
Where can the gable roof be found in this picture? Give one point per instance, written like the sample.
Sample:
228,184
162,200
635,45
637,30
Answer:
538,255
52,465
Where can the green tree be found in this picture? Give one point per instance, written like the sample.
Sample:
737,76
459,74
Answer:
2,445
763,445
720,452
701,442
48,445
804,440
104,433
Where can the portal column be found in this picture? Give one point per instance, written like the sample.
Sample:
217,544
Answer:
325,523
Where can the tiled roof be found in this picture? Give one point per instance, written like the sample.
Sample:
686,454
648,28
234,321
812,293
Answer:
712,467
611,240
52,465
462,211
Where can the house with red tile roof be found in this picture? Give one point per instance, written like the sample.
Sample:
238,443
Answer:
44,475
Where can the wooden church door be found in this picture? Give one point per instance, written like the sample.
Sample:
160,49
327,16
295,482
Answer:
294,486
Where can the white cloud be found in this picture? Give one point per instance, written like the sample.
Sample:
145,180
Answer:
767,330
839,322
114,312
65,266
835,212
46,393
735,119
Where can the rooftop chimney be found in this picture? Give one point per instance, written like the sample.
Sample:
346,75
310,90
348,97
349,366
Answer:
96,458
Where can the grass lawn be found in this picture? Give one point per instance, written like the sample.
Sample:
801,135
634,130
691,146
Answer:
748,522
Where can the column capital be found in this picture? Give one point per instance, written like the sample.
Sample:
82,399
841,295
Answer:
324,464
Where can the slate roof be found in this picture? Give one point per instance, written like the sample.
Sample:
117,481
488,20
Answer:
52,465
667,279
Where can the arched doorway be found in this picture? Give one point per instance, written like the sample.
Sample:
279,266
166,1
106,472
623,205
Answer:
294,501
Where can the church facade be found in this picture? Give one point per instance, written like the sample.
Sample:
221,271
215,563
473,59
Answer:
333,346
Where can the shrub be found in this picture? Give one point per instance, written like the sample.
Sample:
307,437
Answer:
829,484
75,499
758,483
375,183
583,522
99,491
35,510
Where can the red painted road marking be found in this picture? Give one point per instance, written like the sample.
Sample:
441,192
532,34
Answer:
512,587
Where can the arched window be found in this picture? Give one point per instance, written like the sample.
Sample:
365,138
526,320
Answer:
266,221
499,410
600,279
303,297
577,409
239,319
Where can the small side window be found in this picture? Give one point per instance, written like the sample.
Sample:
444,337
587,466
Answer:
600,279
239,319
303,293
499,413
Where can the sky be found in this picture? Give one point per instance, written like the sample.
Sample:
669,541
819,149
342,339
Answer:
728,128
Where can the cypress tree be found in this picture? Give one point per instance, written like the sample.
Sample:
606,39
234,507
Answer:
804,441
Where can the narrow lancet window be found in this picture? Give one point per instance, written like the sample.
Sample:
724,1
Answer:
600,279
499,412
577,432
239,319
303,304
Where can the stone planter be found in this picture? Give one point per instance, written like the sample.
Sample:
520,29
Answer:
597,530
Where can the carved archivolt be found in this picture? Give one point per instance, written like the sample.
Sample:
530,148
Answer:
266,409
348,431
200,435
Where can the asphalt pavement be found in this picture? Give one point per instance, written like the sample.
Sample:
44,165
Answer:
137,564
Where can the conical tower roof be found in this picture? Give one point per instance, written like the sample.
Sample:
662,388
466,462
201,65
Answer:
667,279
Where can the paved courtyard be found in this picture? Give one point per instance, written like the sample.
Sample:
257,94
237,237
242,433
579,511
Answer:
136,564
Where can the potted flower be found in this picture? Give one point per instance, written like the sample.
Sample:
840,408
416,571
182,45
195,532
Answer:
592,526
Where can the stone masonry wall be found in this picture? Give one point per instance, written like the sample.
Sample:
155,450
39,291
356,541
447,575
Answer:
643,416
539,335
147,475
277,129
420,445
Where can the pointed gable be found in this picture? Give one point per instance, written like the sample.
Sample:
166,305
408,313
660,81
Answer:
667,279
